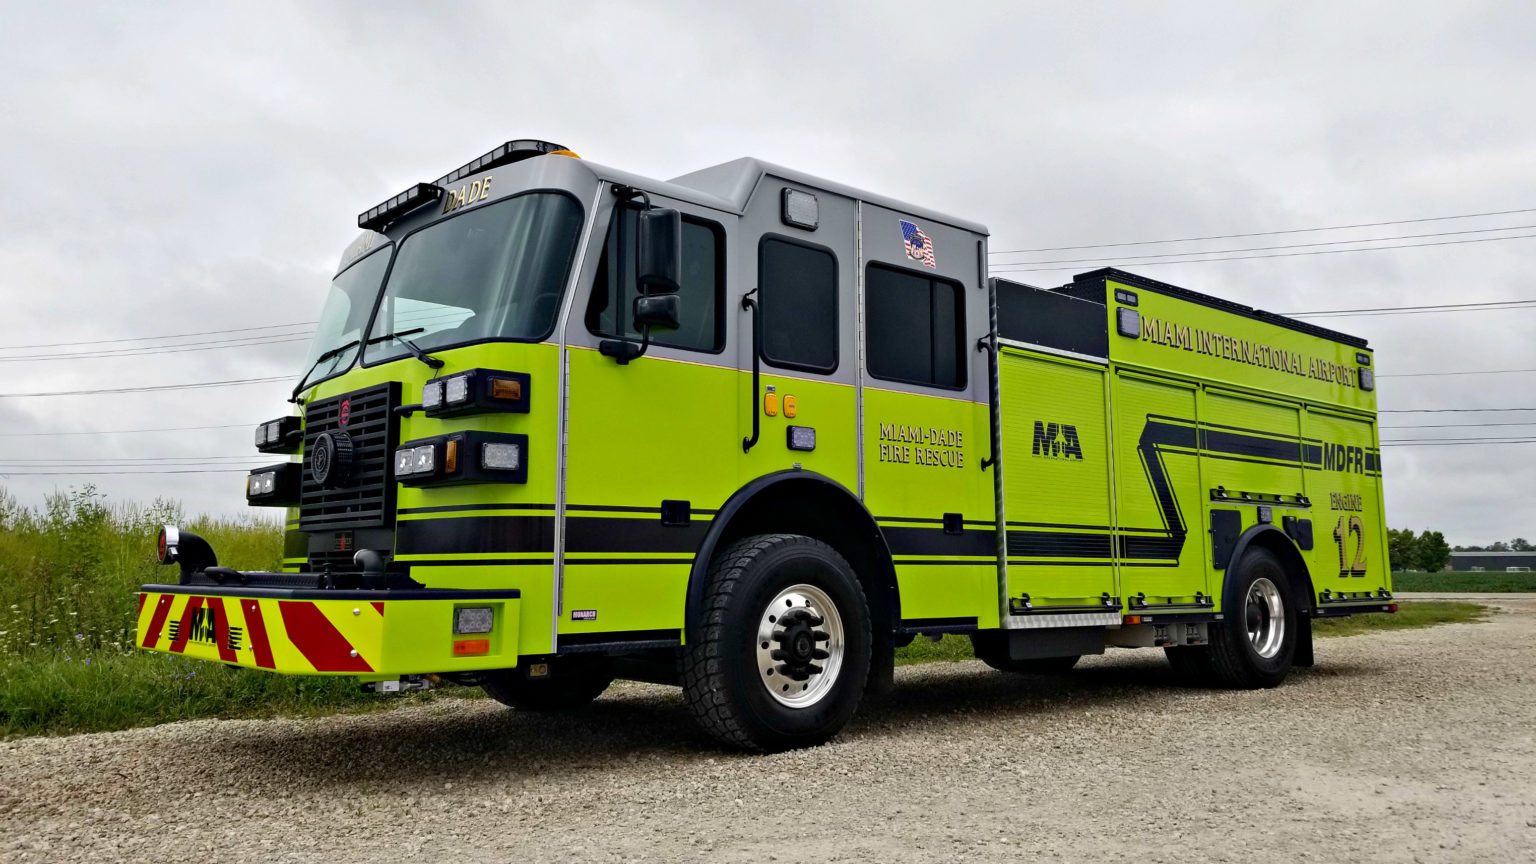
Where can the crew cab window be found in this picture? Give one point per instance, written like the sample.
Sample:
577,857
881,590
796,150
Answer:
797,295
701,286
916,328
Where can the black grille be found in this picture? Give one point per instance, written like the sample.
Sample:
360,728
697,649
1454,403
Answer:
366,499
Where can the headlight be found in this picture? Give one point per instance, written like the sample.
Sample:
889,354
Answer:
457,389
274,485
423,459
274,436
403,463
432,395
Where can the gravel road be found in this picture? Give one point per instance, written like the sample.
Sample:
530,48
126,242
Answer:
1407,746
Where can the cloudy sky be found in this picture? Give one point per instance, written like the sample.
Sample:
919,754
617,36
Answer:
189,168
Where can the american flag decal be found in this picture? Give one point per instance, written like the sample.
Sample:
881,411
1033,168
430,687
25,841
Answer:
919,247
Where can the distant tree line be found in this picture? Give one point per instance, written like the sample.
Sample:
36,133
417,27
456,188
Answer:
1427,551
1519,544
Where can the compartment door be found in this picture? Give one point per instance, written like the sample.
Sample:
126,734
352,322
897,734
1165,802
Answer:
1160,540
1057,489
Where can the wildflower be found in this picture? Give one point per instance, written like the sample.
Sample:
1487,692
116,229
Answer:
79,636
87,662
66,659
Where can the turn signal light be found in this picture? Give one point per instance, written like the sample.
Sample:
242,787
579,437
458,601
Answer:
506,388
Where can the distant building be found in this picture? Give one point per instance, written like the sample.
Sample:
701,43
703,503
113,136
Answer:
1520,562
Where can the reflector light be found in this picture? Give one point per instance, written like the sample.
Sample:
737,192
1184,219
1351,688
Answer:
771,404
391,210
791,407
451,456
472,646
473,620
457,389
501,457
431,394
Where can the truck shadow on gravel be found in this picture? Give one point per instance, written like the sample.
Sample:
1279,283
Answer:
468,740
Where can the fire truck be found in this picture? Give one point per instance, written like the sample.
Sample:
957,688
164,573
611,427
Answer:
748,431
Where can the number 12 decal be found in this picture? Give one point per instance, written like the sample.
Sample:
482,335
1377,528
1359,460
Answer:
1341,535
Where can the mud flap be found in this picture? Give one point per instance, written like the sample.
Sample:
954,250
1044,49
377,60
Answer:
1303,658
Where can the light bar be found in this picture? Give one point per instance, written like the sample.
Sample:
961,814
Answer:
394,208
274,485
476,391
468,457
506,154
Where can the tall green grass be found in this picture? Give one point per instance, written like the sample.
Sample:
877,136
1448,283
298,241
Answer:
69,573
1457,581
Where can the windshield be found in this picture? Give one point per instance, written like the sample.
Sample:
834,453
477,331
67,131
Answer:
346,314
496,272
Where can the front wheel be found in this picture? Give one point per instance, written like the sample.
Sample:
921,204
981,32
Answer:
781,655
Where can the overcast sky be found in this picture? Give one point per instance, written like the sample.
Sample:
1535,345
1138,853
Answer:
178,168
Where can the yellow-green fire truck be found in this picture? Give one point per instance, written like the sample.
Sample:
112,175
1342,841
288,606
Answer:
748,431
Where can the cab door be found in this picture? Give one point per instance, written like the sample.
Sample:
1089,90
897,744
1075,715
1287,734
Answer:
651,444
925,417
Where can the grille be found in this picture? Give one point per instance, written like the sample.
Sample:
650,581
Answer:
366,499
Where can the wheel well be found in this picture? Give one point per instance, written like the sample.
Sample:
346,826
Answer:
1273,539
803,502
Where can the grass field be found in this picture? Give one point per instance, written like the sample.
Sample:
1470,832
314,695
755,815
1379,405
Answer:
1463,581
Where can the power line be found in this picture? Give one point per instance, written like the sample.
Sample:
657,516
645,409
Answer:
1291,245
1275,255
167,336
151,388
105,460
1265,233
1445,410
1432,374
286,338
125,431
1433,307
1455,425
1433,442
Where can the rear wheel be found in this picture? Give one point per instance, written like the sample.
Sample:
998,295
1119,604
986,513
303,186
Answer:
1254,643
781,654
572,683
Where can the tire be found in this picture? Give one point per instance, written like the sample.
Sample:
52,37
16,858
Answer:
573,682
991,648
741,646
1254,643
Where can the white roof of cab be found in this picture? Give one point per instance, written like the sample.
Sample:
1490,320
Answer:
735,181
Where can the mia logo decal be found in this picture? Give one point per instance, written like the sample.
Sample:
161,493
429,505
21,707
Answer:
1057,440
919,247
204,626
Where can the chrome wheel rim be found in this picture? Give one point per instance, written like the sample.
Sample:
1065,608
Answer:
1265,618
800,646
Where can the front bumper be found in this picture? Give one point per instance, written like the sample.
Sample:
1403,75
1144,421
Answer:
328,632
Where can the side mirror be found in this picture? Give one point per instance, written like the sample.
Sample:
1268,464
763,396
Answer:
660,252
657,311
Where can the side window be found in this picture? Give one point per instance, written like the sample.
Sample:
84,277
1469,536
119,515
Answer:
916,328
797,292
701,294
